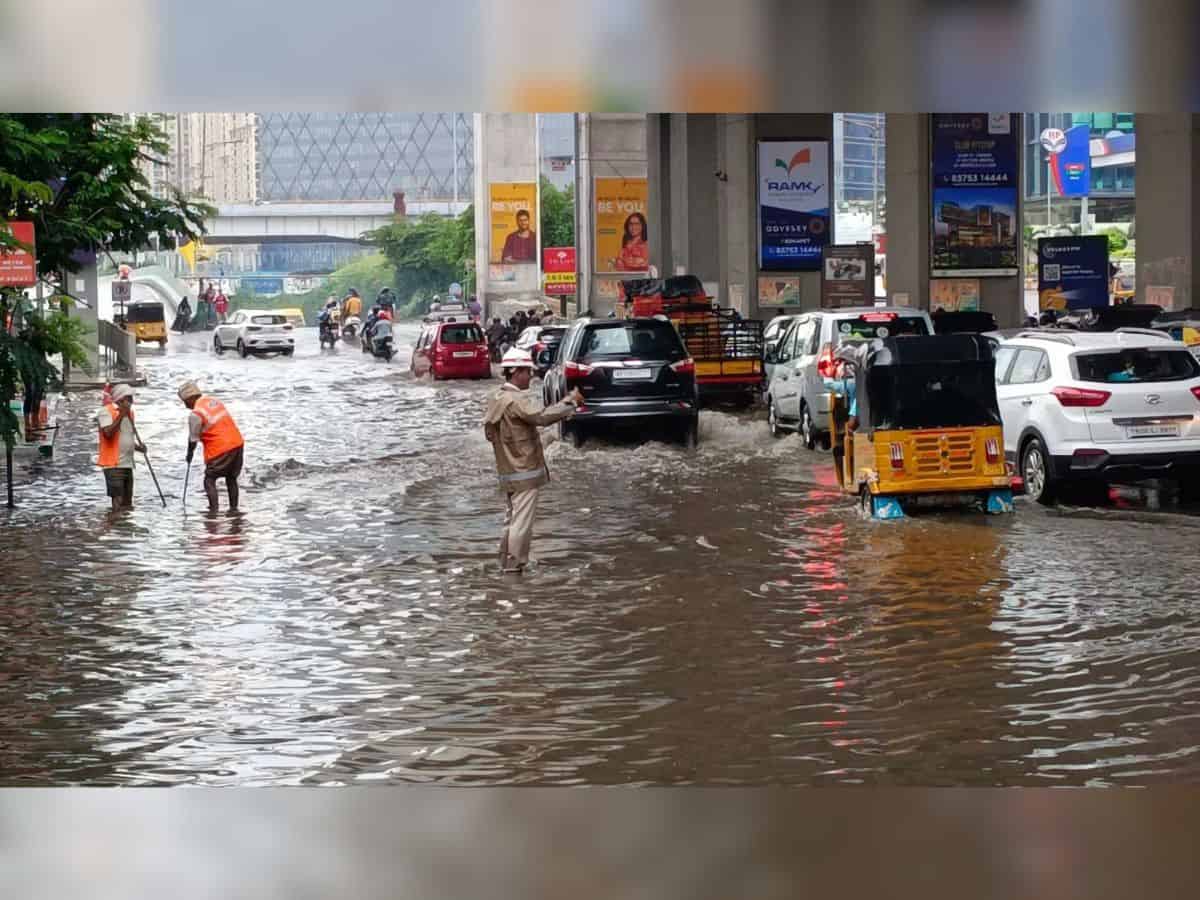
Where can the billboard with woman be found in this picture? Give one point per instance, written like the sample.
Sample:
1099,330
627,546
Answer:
622,238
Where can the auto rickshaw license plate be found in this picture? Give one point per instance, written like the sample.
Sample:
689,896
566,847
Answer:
940,499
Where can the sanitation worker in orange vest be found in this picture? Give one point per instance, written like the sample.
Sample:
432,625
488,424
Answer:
211,424
117,446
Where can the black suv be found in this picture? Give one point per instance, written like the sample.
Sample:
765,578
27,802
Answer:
631,372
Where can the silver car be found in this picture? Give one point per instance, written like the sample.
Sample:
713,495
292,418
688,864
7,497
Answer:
797,397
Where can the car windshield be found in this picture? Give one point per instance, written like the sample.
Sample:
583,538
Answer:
649,340
268,320
1138,365
878,325
462,334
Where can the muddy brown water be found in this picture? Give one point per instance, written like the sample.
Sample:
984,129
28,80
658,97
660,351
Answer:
720,618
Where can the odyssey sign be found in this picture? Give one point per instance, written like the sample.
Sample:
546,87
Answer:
1054,140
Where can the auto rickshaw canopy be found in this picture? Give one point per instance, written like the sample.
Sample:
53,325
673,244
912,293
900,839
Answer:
937,381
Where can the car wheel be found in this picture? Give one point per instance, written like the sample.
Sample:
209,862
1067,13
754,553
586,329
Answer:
691,435
572,434
162,345
241,349
808,432
866,503
773,420
289,352
217,348
1035,470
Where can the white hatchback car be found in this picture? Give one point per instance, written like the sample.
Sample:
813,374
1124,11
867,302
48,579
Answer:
1099,408
255,331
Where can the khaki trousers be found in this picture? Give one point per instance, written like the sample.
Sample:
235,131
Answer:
518,528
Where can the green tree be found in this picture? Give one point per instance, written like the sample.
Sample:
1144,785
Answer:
79,179
558,215
427,253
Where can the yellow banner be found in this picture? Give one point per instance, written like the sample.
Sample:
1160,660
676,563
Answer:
621,229
514,232
559,277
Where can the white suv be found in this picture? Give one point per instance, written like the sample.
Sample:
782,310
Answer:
1099,407
255,331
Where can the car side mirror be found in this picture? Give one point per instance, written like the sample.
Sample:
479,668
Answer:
771,356
545,358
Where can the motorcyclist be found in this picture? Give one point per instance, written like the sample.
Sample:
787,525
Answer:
351,304
326,321
385,299
381,333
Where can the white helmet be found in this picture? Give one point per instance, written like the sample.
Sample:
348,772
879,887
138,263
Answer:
517,359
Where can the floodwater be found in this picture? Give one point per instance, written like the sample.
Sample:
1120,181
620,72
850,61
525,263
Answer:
720,618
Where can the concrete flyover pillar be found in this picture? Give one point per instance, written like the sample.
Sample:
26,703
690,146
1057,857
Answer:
704,199
505,152
910,223
1167,232
609,145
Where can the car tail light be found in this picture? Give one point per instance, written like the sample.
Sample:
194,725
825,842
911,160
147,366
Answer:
1074,397
576,370
992,448
1196,392
684,367
897,451
825,362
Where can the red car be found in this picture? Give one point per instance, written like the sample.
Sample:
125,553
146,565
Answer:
451,350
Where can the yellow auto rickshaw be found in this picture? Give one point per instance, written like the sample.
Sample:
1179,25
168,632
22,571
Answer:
147,322
1183,325
920,426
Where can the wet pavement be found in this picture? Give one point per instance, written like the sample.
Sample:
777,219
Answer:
720,618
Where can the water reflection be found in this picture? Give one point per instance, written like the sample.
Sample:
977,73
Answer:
718,618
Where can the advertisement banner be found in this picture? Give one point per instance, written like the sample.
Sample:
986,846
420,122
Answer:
18,268
558,270
1073,272
793,204
1072,166
778,290
621,231
954,295
848,275
974,202
512,207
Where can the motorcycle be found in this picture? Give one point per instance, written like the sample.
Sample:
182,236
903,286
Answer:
327,333
381,348
351,327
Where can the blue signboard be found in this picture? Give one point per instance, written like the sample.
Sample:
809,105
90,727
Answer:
974,178
1073,272
1072,168
793,204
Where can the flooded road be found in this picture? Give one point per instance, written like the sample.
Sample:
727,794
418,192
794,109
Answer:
722,618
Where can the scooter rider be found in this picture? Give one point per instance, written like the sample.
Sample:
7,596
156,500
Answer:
326,325
386,300
381,334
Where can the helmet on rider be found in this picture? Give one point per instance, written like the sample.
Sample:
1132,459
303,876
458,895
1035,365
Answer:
516,359
353,292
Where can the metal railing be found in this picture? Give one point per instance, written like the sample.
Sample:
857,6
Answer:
120,347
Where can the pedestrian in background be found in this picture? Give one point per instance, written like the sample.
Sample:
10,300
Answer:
118,443
221,305
211,424
511,426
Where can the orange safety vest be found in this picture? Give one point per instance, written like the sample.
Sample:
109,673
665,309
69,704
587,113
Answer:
218,432
110,447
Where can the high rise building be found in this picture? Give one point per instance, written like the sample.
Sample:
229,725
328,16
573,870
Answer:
319,157
216,156
859,149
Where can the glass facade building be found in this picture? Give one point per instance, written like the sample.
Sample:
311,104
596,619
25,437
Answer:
859,142
365,156
1112,153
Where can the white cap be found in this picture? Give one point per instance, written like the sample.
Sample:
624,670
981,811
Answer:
120,392
516,359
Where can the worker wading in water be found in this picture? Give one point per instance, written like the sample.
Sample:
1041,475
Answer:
211,424
511,425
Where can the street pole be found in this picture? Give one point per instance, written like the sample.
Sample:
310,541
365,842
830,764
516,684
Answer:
1047,191
454,151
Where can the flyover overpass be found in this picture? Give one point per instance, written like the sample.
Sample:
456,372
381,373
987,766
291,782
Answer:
255,223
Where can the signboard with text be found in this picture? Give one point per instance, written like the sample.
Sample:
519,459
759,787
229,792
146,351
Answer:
512,207
622,233
558,270
1073,272
975,230
954,294
18,268
1072,166
793,204
848,275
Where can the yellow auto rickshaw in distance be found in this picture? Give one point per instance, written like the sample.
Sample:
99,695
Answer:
926,429
147,322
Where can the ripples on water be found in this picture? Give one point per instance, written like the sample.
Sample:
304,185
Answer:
719,618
